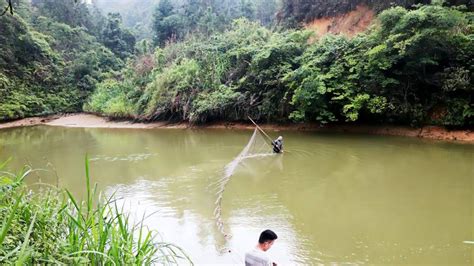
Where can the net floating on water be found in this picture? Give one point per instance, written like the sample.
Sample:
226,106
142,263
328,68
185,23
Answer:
256,147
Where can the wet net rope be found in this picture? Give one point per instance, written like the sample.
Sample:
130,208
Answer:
256,147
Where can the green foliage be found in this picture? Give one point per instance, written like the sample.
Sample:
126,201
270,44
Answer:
217,103
266,10
326,85
420,52
137,15
90,58
47,66
29,73
74,13
53,227
413,67
410,69
215,61
8,8
166,23
173,90
121,41
183,17
174,22
226,76
302,11
110,98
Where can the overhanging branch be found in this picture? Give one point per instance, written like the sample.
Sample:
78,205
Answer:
9,7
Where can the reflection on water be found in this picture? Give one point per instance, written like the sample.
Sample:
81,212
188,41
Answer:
130,157
332,198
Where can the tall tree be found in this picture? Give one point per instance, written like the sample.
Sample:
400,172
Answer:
8,8
193,11
74,13
247,9
265,11
121,41
166,23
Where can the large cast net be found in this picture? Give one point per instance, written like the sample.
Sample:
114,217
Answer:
257,146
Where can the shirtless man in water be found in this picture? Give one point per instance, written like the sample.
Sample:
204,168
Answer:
257,256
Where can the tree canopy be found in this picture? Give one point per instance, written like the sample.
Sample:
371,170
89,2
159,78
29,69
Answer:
225,60
414,67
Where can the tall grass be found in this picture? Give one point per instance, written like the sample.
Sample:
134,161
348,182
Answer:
52,226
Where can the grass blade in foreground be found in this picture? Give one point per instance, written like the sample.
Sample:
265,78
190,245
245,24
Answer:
62,229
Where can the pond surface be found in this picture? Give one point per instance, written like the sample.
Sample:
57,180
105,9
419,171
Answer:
333,198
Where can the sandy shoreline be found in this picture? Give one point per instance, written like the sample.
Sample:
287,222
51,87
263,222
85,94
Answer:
93,121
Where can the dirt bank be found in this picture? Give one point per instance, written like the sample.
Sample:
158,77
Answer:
348,24
85,121
92,121
31,121
428,132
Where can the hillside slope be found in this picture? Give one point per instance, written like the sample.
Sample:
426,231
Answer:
349,23
305,11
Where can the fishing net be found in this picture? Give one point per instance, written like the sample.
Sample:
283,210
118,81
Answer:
258,146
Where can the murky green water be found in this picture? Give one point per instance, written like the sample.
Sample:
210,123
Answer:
333,198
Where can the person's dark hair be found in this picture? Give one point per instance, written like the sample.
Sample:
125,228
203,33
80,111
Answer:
267,235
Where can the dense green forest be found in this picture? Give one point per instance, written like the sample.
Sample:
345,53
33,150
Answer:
201,61
51,60
187,16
